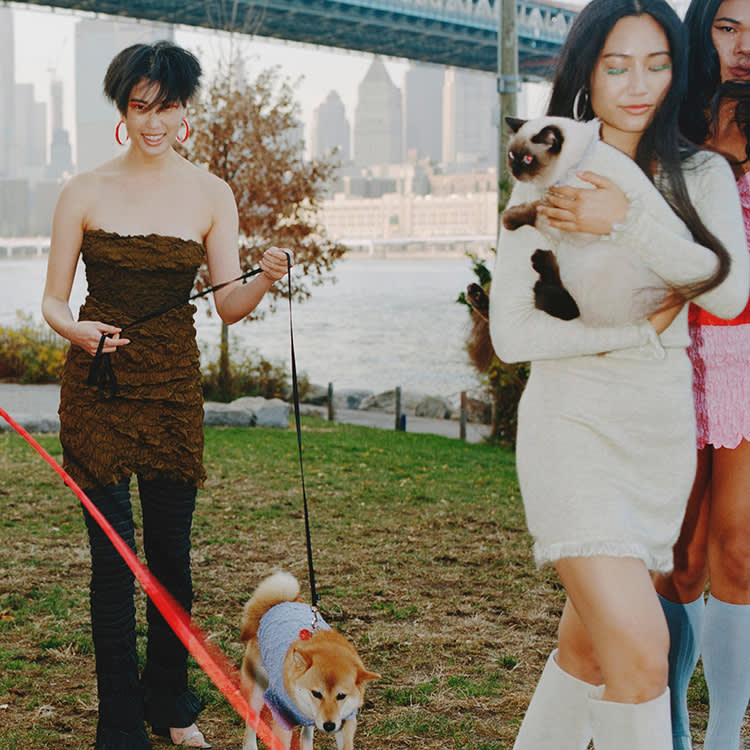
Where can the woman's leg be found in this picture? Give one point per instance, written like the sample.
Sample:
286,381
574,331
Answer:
167,519
681,597
726,641
557,716
619,610
113,625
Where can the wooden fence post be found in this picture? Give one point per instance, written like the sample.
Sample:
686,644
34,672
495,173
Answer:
462,422
330,402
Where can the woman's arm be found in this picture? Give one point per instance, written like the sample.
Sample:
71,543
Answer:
236,300
65,247
677,259
520,332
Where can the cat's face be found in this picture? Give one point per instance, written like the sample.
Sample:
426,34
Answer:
533,154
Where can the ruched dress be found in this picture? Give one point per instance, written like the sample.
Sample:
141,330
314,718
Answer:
720,353
153,425
605,451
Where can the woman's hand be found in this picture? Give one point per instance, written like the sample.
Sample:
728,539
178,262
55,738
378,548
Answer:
274,263
663,317
584,210
88,333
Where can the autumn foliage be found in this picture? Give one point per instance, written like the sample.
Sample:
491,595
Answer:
248,133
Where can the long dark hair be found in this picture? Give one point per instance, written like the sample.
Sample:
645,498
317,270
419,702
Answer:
661,143
704,73
173,69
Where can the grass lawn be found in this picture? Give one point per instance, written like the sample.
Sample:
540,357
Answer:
421,558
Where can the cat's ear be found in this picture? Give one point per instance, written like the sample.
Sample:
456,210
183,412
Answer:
550,136
514,123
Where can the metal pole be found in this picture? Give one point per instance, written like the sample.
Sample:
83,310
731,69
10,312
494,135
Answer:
508,86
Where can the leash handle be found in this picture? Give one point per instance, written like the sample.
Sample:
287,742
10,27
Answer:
295,399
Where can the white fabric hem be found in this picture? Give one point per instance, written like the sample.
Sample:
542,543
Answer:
550,553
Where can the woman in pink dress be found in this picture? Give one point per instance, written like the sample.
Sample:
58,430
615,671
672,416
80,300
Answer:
714,543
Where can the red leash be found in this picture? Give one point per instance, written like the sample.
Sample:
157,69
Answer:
213,662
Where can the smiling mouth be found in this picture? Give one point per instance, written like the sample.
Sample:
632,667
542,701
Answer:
153,138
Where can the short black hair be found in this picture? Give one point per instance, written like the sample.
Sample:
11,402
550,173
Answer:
173,69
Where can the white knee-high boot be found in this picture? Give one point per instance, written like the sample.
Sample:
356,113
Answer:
557,717
632,726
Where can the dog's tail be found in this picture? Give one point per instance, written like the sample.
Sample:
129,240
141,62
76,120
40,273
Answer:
277,588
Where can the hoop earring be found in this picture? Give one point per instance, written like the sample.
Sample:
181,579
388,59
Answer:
117,134
578,111
187,132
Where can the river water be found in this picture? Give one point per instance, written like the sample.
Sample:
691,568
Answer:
384,323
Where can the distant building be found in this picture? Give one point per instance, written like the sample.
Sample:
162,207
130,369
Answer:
97,41
14,208
469,135
44,196
377,119
60,158
330,128
7,92
423,112
30,133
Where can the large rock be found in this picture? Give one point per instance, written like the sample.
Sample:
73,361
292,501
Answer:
433,407
248,411
350,398
268,412
216,414
316,394
386,401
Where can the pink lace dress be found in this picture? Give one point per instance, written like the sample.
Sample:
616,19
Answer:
720,353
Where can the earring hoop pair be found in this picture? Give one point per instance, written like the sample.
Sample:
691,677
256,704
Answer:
118,138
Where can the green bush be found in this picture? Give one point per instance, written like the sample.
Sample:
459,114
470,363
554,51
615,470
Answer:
31,352
253,376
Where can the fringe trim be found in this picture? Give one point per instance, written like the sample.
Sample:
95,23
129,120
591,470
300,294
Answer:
550,553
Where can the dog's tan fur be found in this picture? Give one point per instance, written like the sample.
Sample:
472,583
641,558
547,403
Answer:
326,665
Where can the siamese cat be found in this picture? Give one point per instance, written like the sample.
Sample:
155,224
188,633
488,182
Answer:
602,280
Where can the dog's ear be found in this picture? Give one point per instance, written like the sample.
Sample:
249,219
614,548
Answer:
514,123
363,675
302,660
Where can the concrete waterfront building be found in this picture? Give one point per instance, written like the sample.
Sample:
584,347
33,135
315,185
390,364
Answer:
7,92
377,119
469,134
423,112
97,41
330,128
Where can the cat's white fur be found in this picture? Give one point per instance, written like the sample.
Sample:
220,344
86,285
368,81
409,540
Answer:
610,283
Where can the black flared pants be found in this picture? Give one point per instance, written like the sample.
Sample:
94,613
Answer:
161,696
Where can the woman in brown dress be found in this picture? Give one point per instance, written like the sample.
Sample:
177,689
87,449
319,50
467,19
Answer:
143,224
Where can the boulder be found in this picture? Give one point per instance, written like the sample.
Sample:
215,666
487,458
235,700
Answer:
350,398
316,394
216,414
386,401
433,407
268,412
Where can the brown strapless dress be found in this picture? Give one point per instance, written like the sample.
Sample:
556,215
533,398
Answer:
153,426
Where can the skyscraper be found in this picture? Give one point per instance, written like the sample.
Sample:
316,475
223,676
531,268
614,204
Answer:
423,111
7,91
377,119
469,136
60,161
30,144
97,42
330,128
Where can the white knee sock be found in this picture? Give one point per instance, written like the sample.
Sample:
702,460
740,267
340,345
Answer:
726,664
685,622
557,717
631,726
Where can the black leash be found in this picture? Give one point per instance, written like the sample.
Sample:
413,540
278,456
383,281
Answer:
295,398
101,373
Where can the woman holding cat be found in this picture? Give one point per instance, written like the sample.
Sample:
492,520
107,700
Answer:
715,538
605,451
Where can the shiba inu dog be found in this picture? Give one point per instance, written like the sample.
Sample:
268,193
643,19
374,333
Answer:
306,674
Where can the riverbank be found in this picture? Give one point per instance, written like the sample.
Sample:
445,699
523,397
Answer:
34,407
